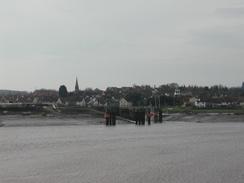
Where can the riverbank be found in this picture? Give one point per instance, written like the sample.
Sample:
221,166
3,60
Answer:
54,120
50,120
204,117
193,110
91,119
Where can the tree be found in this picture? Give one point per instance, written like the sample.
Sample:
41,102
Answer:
135,97
63,91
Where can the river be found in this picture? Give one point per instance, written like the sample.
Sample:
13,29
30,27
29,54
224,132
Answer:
172,152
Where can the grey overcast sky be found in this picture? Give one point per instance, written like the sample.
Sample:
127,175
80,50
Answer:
46,43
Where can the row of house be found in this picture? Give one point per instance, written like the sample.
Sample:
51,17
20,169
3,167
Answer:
124,97
95,102
99,101
216,103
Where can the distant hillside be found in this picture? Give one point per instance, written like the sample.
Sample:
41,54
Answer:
12,92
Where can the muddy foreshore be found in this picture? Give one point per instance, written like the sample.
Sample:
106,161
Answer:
19,120
204,117
49,120
91,119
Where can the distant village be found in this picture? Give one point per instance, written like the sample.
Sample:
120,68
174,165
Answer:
168,95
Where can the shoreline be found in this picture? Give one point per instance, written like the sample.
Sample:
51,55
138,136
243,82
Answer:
18,120
204,117
39,120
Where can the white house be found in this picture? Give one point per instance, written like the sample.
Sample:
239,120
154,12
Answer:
81,103
3,100
93,102
193,100
199,104
35,100
177,92
242,104
59,102
124,103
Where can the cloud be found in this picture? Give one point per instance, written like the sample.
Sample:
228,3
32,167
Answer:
117,40
219,37
230,12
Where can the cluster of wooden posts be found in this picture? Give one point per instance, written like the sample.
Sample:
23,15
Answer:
110,118
139,115
145,115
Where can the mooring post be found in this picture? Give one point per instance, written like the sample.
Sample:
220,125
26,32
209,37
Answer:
148,115
155,115
113,118
139,116
160,115
106,116
143,117
110,119
136,116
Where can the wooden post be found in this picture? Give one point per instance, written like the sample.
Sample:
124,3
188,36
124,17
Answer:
160,116
107,117
113,119
136,116
110,117
143,117
148,115
155,115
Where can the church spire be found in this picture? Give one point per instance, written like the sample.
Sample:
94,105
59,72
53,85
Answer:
77,86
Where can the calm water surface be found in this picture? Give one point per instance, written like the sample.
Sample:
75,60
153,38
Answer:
169,152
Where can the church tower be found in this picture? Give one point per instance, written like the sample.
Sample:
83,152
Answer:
76,86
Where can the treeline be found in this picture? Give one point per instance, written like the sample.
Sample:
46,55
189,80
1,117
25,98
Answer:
168,94
164,94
